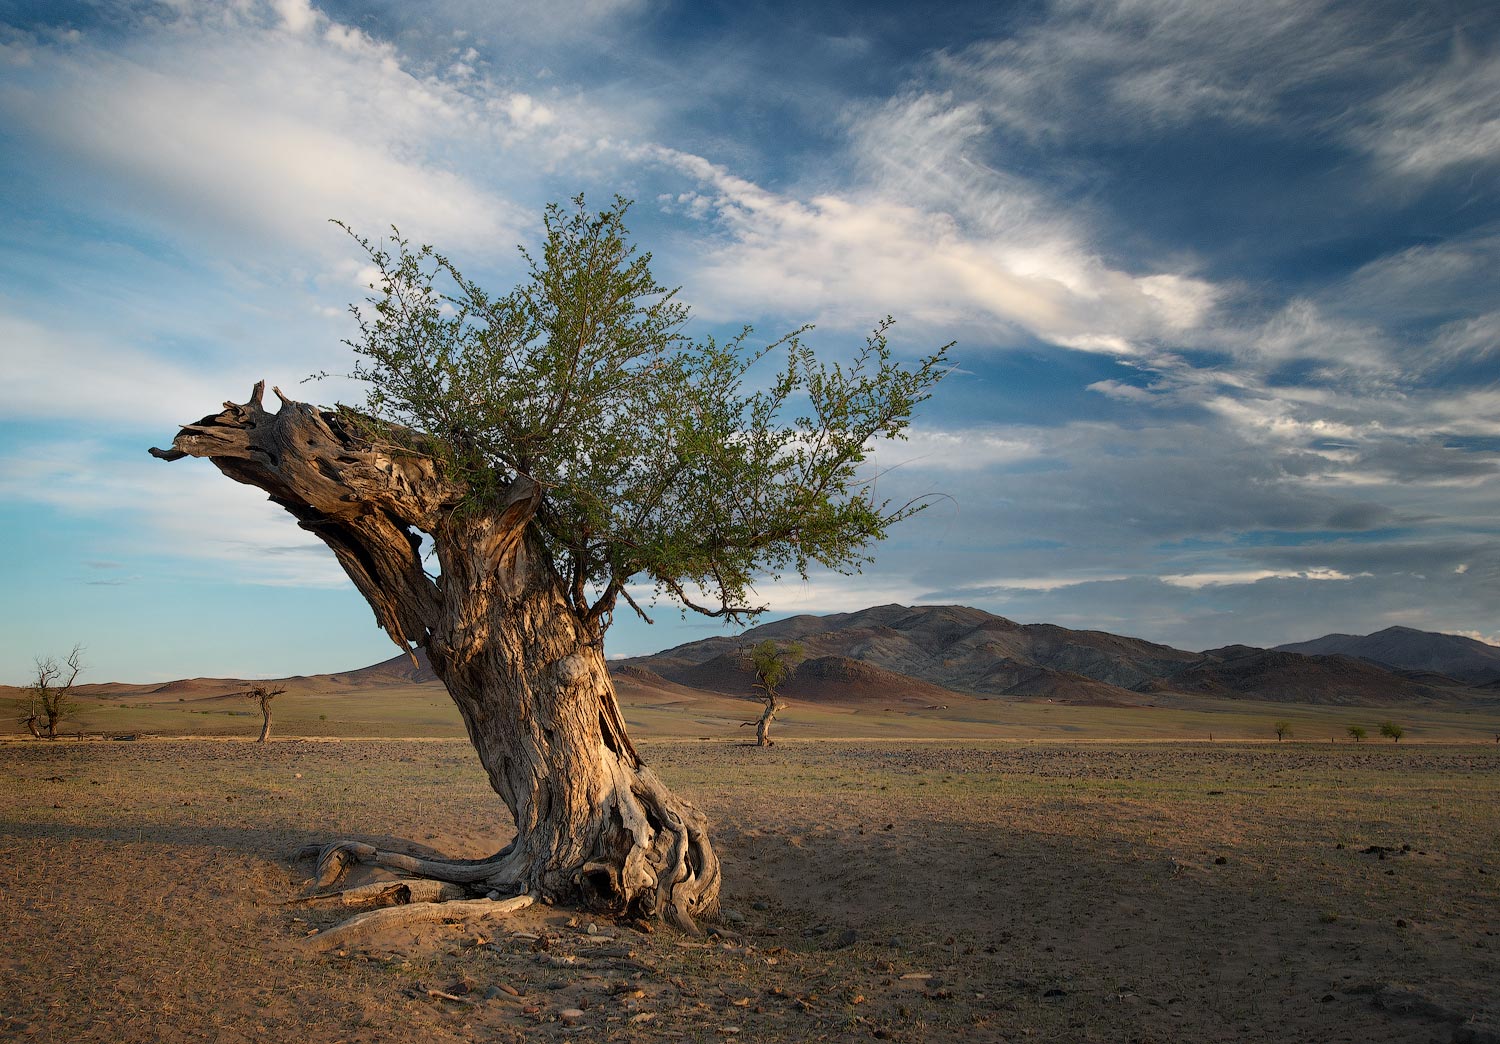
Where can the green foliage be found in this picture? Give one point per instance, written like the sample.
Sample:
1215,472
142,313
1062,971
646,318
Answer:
657,454
1392,730
1357,733
773,663
1283,729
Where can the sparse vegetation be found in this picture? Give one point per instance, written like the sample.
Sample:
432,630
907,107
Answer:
1357,733
1392,731
49,698
1283,729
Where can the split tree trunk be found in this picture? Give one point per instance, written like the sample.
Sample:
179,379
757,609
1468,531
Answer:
265,726
594,826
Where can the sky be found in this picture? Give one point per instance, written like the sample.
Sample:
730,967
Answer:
1221,275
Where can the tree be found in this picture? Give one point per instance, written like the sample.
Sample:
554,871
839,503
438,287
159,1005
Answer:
1283,730
1357,733
772,664
49,697
1391,729
263,694
557,444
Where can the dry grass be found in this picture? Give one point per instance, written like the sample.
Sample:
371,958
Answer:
1146,892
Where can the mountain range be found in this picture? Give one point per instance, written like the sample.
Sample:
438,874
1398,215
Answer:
1405,648
937,652
941,655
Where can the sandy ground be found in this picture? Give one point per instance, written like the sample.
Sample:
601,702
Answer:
896,891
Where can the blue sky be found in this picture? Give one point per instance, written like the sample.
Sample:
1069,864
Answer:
1221,274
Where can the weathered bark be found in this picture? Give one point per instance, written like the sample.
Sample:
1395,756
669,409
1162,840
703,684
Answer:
365,926
265,727
594,826
388,893
763,723
763,728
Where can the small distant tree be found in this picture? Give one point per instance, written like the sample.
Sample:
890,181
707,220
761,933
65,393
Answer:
1283,730
49,697
772,664
263,694
1357,733
1391,729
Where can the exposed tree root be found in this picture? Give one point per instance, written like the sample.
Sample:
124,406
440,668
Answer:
362,927
335,859
388,893
651,857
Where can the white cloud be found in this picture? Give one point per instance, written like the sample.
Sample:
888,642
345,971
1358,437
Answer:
999,585
822,592
1479,636
297,16
831,593
979,254
257,124
1447,118
1251,576
1468,340
1303,330
1122,391
51,372
928,449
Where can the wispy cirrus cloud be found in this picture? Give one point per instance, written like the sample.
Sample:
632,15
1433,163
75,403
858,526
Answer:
1410,93
1446,117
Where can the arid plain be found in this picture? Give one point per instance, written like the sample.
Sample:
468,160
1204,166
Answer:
996,871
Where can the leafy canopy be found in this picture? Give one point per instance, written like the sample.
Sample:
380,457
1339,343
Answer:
657,455
773,663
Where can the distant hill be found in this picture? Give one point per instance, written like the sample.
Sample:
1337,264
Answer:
1289,677
967,650
818,679
398,670
948,648
930,653
1407,648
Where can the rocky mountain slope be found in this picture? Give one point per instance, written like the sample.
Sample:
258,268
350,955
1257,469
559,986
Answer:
1406,648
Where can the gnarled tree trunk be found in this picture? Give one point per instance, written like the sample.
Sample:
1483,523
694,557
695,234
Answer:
594,826
265,724
763,724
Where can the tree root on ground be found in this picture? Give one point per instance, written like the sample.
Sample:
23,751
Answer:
362,927
387,893
334,861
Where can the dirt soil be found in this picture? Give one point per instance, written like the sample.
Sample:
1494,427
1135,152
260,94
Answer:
893,891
